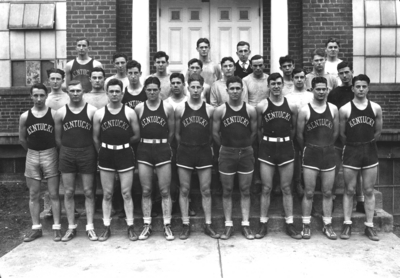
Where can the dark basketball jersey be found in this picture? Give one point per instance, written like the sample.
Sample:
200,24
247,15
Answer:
195,126
40,131
154,124
235,128
277,120
131,101
82,73
319,127
77,129
115,129
360,127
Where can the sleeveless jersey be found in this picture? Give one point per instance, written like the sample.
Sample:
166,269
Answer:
131,101
154,124
319,127
235,128
360,127
115,129
277,120
77,129
40,131
195,126
82,73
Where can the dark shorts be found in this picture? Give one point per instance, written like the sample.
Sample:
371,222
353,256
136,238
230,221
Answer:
236,160
362,156
41,164
276,153
78,160
116,160
154,154
190,157
319,158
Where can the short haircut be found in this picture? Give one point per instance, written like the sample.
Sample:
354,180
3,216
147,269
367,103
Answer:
318,80
298,70
54,70
234,79
74,83
133,64
83,39
196,77
319,51
195,60
285,59
242,43
223,60
152,80
344,64
114,82
160,54
177,75
360,77
332,40
119,55
98,69
274,76
201,40
39,86
255,57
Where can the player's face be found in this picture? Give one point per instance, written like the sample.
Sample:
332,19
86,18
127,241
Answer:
320,91
134,75
287,68
114,93
82,47
75,92
228,68
203,49
332,49
195,89
235,90
161,64
39,97
275,86
360,89
318,63
345,75
258,67
194,68
299,79
243,52
120,64
152,91
177,86
97,80
55,81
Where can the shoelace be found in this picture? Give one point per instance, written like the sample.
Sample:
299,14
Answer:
168,231
92,234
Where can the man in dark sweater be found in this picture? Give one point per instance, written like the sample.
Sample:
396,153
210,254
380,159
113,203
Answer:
242,66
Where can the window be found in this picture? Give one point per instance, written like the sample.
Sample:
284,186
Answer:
31,16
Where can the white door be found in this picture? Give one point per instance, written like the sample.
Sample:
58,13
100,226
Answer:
224,22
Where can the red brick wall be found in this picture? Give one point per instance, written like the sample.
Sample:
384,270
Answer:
390,103
11,107
95,20
267,34
124,27
295,17
153,32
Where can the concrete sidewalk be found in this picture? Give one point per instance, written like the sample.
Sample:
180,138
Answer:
201,256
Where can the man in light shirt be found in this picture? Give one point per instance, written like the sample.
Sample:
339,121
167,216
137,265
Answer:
256,82
318,60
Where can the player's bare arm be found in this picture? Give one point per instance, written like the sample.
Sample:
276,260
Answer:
178,115
58,118
378,121
210,112
133,120
169,111
304,114
98,116
218,114
335,115
22,130
344,113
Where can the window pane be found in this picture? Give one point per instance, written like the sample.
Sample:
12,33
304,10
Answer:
397,70
358,13
32,45
17,45
373,69
244,15
372,12
388,72
46,17
195,15
5,73
358,65
32,72
224,15
31,16
388,13
17,11
373,39
388,43
18,73
4,8
358,41
45,65
175,15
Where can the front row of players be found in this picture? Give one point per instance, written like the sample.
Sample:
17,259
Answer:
233,126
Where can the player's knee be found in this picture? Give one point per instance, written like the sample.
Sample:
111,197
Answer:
126,195
68,193
227,192
309,194
368,192
266,189
327,194
34,196
146,192
245,192
165,193
286,190
206,192
88,193
184,191
107,196
349,192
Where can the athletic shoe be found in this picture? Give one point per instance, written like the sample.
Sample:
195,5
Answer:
69,234
91,234
346,232
168,233
291,231
146,232
106,234
306,232
262,232
210,232
328,231
34,234
228,232
185,231
247,232
57,235
131,234
371,233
